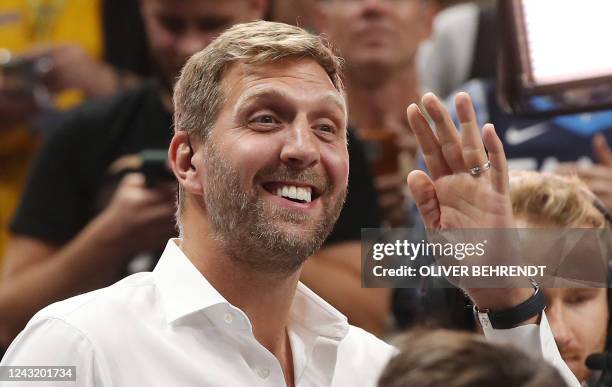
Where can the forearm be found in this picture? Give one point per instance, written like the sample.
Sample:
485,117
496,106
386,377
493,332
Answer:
88,262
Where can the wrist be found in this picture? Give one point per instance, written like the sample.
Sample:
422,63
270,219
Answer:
499,299
526,312
109,230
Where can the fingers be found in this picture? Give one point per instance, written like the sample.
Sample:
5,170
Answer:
134,184
499,165
450,143
600,188
593,173
424,195
602,151
566,168
432,154
474,153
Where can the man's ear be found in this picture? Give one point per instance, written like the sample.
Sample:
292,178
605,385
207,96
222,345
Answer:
180,155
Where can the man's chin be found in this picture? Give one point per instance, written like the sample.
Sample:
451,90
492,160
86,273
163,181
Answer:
296,234
374,59
298,239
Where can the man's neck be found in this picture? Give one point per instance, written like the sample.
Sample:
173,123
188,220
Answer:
373,102
265,298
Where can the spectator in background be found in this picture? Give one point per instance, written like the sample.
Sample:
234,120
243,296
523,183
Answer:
379,40
90,225
454,359
68,50
578,317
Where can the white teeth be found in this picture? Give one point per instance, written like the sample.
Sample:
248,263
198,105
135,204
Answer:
293,192
301,193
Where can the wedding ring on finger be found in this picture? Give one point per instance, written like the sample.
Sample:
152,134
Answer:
479,169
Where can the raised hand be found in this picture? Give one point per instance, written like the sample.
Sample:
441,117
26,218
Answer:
452,197
458,197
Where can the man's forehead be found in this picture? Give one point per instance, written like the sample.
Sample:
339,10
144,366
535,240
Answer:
246,81
264,91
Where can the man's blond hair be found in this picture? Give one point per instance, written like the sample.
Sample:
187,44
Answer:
559,200
198,95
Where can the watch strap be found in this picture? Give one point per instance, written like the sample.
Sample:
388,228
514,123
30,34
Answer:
510,318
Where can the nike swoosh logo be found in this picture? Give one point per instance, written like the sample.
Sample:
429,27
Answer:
514,136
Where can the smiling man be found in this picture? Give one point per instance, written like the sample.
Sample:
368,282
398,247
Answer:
260,152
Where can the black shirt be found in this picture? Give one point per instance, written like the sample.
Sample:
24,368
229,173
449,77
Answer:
65,187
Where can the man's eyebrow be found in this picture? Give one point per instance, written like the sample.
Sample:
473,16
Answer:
261,92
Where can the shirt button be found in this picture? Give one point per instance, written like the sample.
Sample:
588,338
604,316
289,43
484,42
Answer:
228,318
263,373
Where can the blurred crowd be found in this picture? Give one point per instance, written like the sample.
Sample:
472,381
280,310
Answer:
86,198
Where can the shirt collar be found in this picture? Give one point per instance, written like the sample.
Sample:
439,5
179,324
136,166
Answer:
315,314
184,291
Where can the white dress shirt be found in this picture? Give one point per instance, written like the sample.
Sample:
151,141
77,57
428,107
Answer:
172,328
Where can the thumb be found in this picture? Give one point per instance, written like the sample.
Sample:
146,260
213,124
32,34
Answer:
602,150
424,194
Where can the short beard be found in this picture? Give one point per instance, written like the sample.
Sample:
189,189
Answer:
247,232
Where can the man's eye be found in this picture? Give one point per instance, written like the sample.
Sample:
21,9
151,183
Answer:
577,299
172,24
265,119
327,128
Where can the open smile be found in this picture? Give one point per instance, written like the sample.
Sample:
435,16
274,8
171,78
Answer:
295,192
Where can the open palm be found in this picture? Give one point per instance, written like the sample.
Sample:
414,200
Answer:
451,197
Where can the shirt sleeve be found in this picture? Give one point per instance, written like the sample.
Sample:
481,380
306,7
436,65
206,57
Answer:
536,340
54,342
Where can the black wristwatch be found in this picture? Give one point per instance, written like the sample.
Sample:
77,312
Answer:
513,317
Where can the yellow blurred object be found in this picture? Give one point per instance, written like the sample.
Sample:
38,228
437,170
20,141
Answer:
26,24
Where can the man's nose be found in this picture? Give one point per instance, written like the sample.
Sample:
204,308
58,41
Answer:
374,8
301,147
561,330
